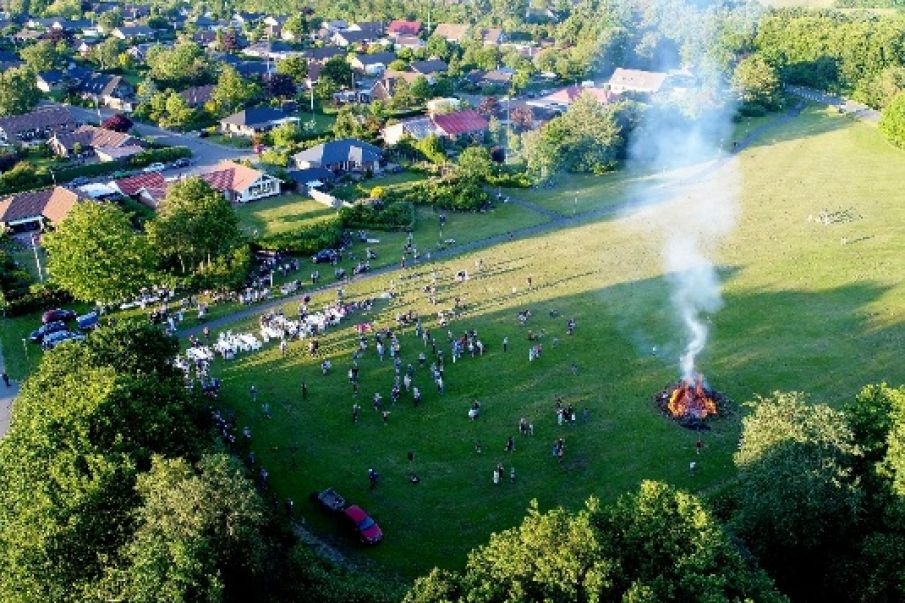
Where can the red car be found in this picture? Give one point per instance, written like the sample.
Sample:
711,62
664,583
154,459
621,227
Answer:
368,530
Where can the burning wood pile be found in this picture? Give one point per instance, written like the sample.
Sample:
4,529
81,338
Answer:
690,404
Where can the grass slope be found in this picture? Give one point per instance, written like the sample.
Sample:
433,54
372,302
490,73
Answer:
808,306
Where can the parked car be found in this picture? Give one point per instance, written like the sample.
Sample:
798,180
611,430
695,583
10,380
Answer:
88,321
57,314
367,529
38,335
154,167
181,163
79,181
364,526
324,256
54,339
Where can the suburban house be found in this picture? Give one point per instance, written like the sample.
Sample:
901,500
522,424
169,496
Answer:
33,210
108,90
348,38
383,88
417,128
347,155
50,81
249,122
372,64
493,36
430,67
400,27
241,184
496,77
453,33
134,33
460,123
271,50
636,80
311,177
196,96
9,60
149,189
40,124
407,41
323,54
87,140
562,99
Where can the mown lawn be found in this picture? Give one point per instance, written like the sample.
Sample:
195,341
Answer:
808,306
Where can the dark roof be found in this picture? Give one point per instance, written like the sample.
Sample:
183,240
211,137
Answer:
255,116
100,84
252,68
323,53
340,151
378,57
374,28
136,30
357,36
197,95
50,117
311,174
52,77
429,66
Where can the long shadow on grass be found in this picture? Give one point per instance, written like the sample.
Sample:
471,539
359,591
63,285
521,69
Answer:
812,121
822,342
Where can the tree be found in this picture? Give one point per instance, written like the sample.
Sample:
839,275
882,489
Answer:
232,91
892,121
488,106
402,95
296,25
184,64
756,84
420,89
521,118
879,91
177,113
295,67
347,124
196,525
337,73
656,545
437,46
107,53
475,164
42,56
95,255
430,147
280,86
111,19
285,135
796,497
194,225
84,424
119,122
18,91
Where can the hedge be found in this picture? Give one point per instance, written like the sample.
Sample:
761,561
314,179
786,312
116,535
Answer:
448,193
399,215
39,297
305,240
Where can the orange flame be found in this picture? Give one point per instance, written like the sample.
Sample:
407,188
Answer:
689,400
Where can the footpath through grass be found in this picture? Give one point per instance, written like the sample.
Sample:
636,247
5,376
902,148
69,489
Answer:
809,306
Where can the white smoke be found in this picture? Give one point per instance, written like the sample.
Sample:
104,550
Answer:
687,213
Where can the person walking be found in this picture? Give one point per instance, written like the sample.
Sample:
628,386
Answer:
5,378
505,344
356,411
372,478
254,394
304,391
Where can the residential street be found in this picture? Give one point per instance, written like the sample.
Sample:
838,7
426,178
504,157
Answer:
205,154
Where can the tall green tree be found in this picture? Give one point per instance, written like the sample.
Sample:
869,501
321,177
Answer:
96,255
194,225
232,92
797,498
756,84
18,91
184,64
43,56
347,124
475,164
892,121
107,53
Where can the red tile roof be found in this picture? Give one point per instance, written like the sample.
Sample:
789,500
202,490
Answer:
400,26
461,122
153,183
230,176
52,203
567,96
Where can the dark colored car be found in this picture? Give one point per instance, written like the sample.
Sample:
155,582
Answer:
330,499
366,528
181,163
324,256
54,339
38,335
57,314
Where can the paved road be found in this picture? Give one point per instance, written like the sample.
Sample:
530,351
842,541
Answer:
857,110
7,396
205,153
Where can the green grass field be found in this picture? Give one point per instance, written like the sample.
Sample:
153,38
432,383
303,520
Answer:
808,306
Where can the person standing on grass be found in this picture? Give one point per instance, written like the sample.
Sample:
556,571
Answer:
254,394
304,391
698,445
505,344
356,411
6,381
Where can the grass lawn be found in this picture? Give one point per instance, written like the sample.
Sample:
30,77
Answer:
279,214
358,190
808,306
577,193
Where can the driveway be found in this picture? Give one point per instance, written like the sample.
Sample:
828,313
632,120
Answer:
205,154
844,105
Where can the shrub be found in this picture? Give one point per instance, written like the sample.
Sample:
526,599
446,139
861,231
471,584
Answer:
393,216
305,240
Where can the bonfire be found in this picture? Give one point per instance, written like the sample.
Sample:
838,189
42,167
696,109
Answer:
691,403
